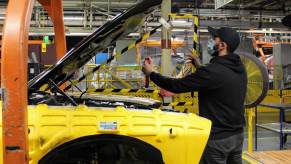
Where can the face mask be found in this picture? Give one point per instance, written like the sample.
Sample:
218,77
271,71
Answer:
212,48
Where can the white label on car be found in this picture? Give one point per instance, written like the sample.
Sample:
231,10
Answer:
108,126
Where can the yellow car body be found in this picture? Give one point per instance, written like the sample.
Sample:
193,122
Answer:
179,137
63,132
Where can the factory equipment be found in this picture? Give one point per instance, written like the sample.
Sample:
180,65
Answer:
86,128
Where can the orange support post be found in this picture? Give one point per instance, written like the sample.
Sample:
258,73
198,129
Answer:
55,11
14,81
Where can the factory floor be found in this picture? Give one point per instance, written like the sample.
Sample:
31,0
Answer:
267,140
268,151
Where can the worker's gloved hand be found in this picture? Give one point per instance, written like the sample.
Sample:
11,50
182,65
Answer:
194,60
147,68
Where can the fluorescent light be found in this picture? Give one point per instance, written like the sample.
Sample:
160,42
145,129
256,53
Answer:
179,21
182,23
73,18
178,30
134,34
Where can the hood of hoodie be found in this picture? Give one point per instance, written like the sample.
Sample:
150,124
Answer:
231,61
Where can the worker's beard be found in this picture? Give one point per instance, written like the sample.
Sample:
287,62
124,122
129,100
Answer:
215,53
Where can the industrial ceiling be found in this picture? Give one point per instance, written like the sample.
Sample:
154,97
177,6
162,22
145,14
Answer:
85,15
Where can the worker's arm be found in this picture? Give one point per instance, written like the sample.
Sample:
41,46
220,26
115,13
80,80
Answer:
196,81
262,54
259,49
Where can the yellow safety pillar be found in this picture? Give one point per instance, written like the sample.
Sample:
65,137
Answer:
166,61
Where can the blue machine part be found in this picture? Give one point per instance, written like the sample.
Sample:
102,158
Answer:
101,58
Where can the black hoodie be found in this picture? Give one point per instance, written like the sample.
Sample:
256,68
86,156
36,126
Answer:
221,87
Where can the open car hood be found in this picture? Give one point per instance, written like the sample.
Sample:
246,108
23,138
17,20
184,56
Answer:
98,41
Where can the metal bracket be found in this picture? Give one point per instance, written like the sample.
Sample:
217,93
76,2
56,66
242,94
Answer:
55,86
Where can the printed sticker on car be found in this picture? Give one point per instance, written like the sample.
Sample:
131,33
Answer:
108,126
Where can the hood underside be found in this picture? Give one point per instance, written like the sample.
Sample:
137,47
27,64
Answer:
98,41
